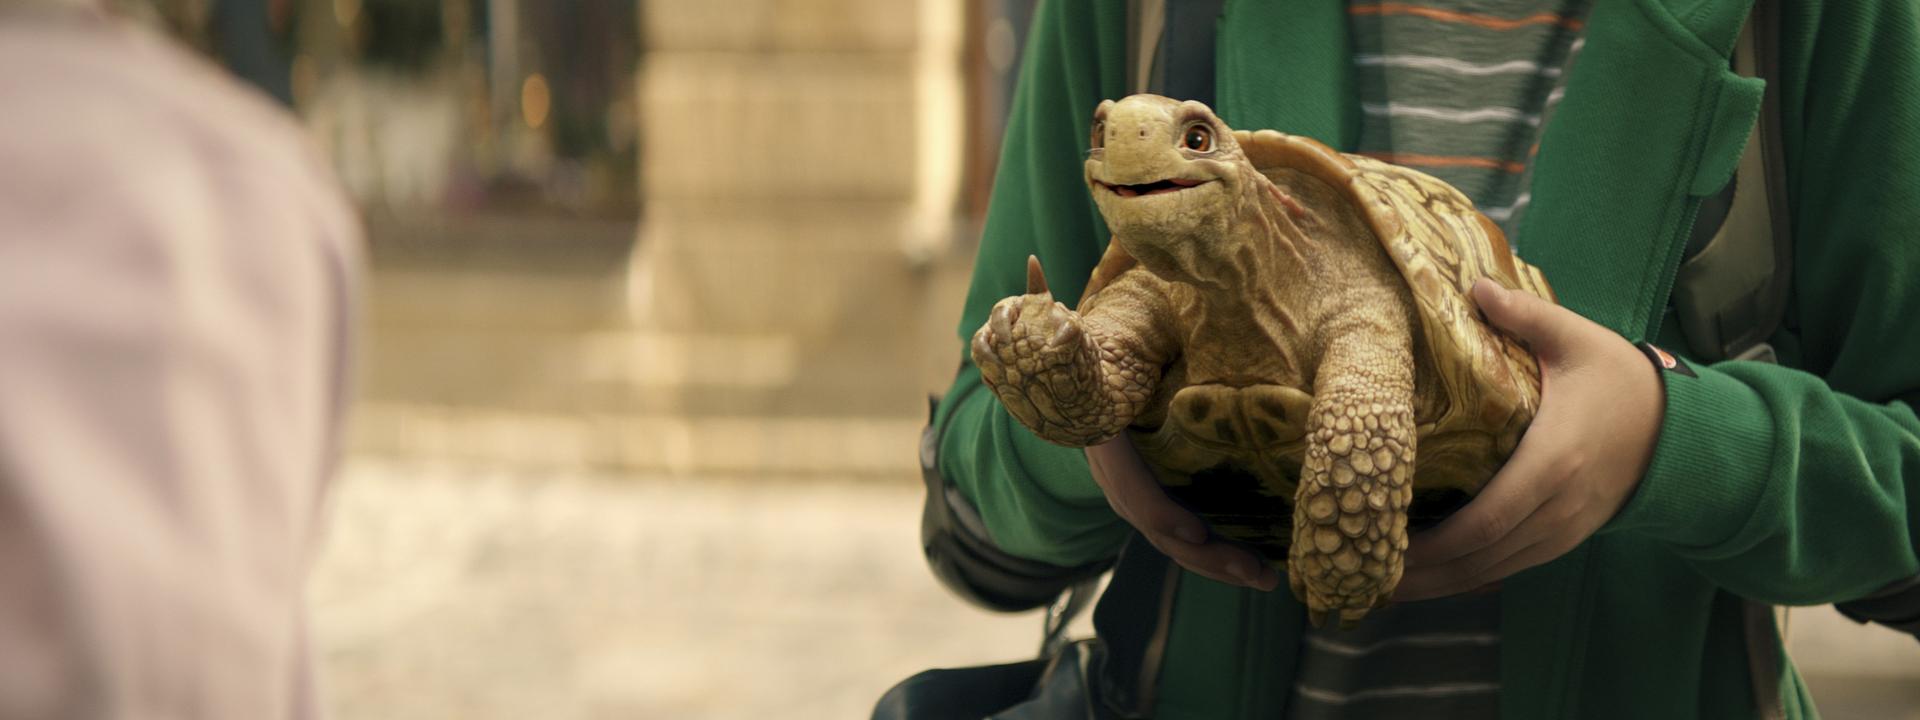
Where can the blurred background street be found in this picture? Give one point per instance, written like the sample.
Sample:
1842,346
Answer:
657,293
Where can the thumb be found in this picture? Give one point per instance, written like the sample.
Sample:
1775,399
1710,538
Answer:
1529,319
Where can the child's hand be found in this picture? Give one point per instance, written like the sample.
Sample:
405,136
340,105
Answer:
1134,493
1600,412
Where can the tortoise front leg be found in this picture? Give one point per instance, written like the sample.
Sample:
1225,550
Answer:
1075,381
1350,516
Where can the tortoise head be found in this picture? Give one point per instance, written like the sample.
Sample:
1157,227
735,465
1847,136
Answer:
1168,176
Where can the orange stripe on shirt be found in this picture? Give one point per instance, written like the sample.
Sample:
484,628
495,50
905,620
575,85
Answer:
1417,160
1490,22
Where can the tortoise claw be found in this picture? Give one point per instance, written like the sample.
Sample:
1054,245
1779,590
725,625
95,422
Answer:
983,353
1036,280
1067,333
1004,316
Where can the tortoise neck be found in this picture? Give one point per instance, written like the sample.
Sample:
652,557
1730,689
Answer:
1251,294
1252,246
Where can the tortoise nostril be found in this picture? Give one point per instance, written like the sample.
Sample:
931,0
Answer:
1143,133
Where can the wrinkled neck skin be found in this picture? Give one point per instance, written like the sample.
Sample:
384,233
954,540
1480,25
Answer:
1255,287
1246,267
1281,268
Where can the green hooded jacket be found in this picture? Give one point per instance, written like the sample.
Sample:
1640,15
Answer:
1785,484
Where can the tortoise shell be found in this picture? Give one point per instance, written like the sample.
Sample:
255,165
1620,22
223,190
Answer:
1476,390
1489,384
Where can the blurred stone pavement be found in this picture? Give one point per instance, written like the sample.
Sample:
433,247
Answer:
478,595
486,594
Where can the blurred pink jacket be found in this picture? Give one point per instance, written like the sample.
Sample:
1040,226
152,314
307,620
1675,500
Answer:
177,271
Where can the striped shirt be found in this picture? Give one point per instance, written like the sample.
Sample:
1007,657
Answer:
1430,660
1458,89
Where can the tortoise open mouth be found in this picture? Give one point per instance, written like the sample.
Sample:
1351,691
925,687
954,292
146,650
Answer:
1154,188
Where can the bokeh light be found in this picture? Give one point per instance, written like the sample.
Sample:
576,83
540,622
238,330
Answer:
534,101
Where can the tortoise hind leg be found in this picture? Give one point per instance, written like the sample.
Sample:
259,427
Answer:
1350,514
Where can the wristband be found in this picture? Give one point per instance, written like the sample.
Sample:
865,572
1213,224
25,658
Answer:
1665,361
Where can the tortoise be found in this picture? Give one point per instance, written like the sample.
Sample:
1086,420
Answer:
1277,326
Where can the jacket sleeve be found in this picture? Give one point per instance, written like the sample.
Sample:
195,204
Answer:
1795,486
1038,499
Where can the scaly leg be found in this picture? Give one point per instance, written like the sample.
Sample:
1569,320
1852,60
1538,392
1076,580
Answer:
1350,516
1072,380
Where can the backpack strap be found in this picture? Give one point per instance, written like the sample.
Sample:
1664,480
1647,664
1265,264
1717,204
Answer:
965,559
1170,47
1731,296
1133,621
1731,292
1146,21
1896,606
1732,289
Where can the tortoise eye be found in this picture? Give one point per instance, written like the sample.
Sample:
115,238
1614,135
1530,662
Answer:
1099,134
1198,138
